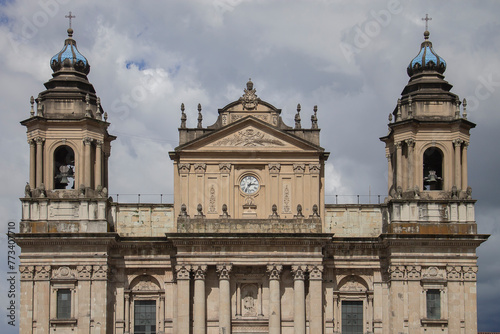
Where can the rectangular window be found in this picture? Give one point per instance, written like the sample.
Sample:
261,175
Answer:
145,317
352,317
63,304
433,304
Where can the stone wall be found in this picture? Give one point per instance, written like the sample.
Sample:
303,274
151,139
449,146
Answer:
142,220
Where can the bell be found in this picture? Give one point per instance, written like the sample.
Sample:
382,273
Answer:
64,174
432,177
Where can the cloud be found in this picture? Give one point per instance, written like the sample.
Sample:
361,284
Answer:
146,60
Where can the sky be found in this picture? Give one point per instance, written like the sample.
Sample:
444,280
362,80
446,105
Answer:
347,57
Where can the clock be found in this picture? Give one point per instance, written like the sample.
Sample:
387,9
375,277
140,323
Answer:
249,184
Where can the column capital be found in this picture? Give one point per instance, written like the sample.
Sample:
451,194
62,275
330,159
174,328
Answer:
457,142
314,168
299,168
466,144
42,272
182,271
99,143
200,272
274,271
298,272
200,168
274,168
224,270
410,142
183,168
398,144
31,142
225,167
26,272
87,140
39,140
315,272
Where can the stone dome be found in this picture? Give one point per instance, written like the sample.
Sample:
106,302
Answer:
427,59
69,57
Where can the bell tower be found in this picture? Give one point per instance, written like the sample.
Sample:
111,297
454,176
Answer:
428,135
69,143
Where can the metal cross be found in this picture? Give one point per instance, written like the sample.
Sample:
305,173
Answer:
70,17
426,19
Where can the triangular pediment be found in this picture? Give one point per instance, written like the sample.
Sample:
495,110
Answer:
249,133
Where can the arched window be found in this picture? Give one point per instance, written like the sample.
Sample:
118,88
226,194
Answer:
433,169
64,168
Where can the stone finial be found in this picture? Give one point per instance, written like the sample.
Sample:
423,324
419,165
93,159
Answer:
81,190
274,215
390,118
468,192
32,110
87,108
315,213
98,114
454,192
199,208
297,117
398,114
457,108
249,100
464,114
314,118
224,212
299,212
183,117
41,190
200,117
27,190
105,116
39,107
410,108
183,212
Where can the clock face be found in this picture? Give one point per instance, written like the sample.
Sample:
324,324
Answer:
249,184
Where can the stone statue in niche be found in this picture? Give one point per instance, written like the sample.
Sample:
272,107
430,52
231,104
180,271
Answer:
249,300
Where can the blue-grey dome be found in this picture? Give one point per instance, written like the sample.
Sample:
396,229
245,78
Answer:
427,59
70,57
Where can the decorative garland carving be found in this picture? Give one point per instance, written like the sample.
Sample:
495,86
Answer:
249,138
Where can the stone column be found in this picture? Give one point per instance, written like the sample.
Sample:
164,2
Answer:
183,298
399,164
411,168
390,176
224,298
458,168
32,163
162,313
127,312
87,147
274,272
39,161
465,181
98,164
316,300
199,308
299,303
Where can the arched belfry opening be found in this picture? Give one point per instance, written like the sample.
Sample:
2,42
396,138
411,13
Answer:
64,168
433,169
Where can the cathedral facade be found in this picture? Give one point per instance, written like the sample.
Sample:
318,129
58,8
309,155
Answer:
249,244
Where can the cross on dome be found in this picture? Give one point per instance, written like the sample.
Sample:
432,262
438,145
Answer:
70,17
426,19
